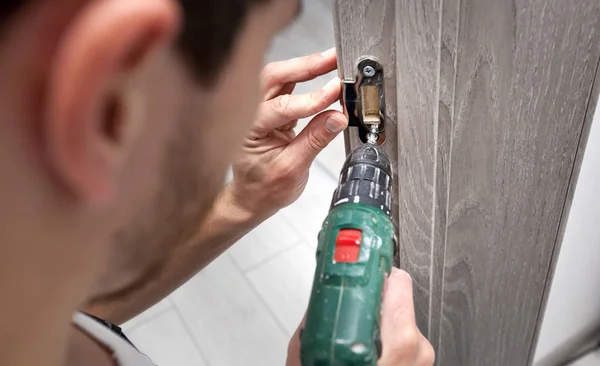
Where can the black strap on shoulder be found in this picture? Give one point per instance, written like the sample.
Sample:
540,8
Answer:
114,328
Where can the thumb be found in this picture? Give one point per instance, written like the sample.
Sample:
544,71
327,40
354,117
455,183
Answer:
293,357
398,298
399,332
319,132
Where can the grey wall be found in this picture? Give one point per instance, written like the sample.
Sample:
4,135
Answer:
574,302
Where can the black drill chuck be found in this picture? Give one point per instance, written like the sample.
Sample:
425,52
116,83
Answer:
366,178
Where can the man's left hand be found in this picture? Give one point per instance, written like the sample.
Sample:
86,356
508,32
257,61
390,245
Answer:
272,169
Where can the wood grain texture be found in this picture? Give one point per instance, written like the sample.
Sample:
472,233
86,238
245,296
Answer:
363,28
417,65
592,106
523,79
443,141
491,112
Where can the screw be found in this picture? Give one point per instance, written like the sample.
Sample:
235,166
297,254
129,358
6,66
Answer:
372,138
368,71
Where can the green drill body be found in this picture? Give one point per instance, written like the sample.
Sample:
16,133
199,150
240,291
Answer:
342,322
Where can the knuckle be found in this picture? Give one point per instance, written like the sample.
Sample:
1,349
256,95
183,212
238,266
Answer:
404,276
405,349
316,140
411,338
282,106
401,276
427,357
314,101
314,62
268,71
408,344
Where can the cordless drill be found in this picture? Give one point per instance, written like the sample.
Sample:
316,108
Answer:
354,255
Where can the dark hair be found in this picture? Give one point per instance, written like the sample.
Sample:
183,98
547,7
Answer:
208,36
209,33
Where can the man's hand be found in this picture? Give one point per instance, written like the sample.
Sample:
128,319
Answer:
272,169
403,343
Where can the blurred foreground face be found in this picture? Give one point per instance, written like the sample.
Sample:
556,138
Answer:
118,120
194,113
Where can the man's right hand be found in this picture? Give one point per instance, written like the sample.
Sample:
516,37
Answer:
403,343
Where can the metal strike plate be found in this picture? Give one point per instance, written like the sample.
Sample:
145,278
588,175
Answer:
364,100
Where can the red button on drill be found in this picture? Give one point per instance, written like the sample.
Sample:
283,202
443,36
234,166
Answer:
347,246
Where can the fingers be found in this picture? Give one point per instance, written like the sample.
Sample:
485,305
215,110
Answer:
299,69
319,132
287,135
403,343
279,111
289,126
426,355
285,89
398,298
399,332
293,356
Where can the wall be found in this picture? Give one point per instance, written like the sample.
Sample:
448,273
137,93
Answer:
574,301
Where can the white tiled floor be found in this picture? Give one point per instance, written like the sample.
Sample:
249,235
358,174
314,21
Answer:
174,346
271,238
284,283
227,320
592,359
243,308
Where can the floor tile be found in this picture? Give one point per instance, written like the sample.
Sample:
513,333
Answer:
309,211
284,282
228,321
155,310
271,237
312,32
165,341
592,359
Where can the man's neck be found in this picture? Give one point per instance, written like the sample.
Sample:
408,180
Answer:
84,350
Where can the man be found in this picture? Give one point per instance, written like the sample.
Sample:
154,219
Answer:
118,120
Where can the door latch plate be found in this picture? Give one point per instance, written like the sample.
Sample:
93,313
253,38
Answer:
364,100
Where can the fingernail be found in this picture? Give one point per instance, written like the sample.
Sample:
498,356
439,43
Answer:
330,52
333,125
333,83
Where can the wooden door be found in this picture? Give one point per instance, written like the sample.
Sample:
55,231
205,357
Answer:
488,106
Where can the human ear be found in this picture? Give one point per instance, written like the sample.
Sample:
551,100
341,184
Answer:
86,123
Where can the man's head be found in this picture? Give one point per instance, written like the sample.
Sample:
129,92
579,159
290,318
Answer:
118,119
